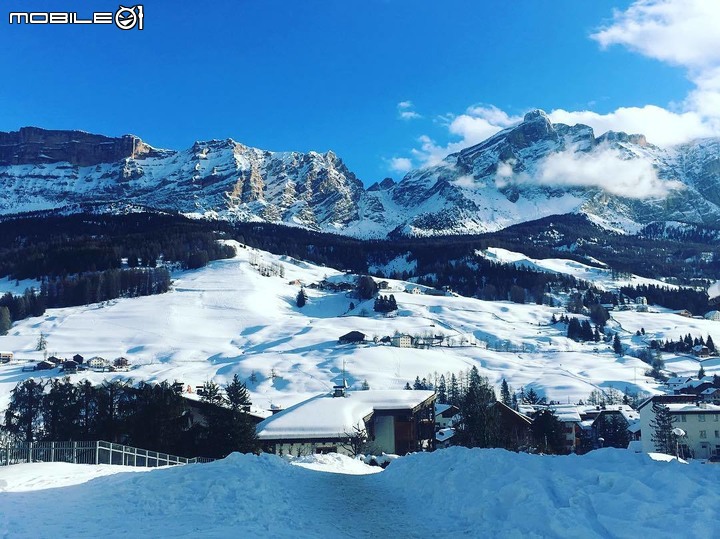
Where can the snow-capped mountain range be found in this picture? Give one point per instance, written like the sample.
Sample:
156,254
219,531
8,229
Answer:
525,172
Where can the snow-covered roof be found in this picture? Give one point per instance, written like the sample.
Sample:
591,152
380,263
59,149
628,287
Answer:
695,408
440,408
443,435
325,416
678,380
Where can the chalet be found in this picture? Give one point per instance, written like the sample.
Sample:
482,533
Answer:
77,358
713,315
121,363
395,421
6,357
383,285
685,313
97,362
641,300
700,350
69,366
354,337
446,415
54,360
518,426
44,365
413,290
401,341
700,421
711,394
678,382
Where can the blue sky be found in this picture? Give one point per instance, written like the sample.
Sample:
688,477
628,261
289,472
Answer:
386,84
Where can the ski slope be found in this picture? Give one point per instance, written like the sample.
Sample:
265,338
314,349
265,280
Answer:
606,493
228,319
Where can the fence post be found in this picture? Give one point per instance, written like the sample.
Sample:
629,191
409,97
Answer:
74,452
97,452
29,457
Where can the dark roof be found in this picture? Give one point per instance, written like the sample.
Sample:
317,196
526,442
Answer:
353,336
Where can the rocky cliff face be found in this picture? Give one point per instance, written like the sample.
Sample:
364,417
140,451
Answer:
525,172
34,146
49,169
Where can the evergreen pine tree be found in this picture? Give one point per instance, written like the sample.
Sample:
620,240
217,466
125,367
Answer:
301,298
701,373
479,426
453,391
41,343
617,345
407,386
23,417
548,433
505,393
211,393
365,386
662,435
5,322
710,344
442,397
418,384
237,394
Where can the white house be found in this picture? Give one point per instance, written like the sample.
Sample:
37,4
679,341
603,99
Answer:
446,415
97,362
641,300
713,315
678,382
413,290
402,341
699,420
6,357
396,421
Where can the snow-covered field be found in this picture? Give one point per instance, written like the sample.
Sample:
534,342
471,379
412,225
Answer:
453,492
227,318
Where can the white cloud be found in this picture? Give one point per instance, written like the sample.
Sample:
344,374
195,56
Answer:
604,168
661,126
400,164
409,115
680,32
477,124
406,112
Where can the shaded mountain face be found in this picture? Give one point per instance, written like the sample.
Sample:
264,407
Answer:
526,172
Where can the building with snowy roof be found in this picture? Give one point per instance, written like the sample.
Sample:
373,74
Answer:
700,421
713,315
395,421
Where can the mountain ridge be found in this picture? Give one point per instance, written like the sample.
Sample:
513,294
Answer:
524,172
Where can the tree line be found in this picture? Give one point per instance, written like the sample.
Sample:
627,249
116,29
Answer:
149,416
82,289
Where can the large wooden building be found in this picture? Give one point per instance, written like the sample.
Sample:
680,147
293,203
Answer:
395,421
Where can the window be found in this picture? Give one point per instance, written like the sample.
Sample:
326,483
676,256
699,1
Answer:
717,434
701,418
703,434
715,417
684,418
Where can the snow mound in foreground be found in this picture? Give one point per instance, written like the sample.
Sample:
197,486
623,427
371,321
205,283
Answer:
475,493
606,493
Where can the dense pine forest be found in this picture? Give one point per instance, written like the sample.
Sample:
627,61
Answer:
150,416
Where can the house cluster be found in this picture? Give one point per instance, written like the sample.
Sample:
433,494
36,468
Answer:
399,340
583,423
704,389
78,363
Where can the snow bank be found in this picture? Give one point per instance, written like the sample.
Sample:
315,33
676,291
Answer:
472,493
606,493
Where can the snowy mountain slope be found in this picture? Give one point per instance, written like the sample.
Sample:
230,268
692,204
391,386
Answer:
525,172
227,318
606,493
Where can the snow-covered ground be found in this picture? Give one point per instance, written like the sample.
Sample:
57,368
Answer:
453,492
227,318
